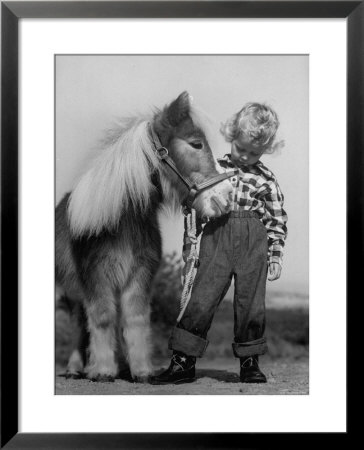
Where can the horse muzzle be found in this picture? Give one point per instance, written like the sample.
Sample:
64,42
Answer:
214,201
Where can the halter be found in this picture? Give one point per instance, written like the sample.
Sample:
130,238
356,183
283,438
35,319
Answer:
194,189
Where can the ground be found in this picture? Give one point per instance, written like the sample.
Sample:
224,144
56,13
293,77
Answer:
217,377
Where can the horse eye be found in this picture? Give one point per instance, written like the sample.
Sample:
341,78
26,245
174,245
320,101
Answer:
196,145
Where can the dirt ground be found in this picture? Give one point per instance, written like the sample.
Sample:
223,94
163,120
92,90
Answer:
214,377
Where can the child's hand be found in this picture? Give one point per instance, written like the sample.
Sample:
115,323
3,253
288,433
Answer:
274,271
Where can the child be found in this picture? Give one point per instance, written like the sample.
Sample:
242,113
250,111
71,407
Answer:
243,244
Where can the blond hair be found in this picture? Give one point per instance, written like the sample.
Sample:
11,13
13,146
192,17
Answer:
256,122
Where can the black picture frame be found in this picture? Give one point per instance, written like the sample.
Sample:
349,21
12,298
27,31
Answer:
11,13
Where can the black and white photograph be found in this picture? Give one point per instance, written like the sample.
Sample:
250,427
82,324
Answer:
181,221
181,224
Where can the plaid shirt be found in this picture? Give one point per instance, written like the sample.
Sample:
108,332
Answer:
256,189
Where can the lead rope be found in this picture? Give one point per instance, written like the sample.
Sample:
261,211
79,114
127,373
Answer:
192,260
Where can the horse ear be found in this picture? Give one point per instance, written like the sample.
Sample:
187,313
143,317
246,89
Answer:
179,109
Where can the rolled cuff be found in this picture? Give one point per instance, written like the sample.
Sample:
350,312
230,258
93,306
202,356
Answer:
257,347
188,343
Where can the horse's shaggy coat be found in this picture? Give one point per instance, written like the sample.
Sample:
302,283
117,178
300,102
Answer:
108,242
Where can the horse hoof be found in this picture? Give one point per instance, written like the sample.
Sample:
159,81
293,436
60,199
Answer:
102,378
74,375
143,379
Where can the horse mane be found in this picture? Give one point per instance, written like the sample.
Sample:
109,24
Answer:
119,179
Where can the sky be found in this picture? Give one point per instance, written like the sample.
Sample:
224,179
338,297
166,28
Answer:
92,91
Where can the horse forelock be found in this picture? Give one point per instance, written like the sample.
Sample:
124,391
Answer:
119,179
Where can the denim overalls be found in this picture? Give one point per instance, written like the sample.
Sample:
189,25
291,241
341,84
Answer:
236,246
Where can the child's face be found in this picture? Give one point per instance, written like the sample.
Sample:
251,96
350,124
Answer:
243,153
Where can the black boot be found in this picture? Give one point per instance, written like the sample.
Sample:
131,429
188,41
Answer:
250,372
181,370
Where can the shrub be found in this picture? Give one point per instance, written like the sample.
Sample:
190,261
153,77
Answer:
167,290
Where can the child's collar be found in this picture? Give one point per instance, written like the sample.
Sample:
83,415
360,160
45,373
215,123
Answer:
258,167
227,158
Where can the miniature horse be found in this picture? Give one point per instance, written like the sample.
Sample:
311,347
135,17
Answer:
108,242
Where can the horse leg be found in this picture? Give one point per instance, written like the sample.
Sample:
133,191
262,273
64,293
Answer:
123,365
79,335
77,360
101,319
135,321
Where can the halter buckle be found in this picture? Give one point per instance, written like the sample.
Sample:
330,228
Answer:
162,152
